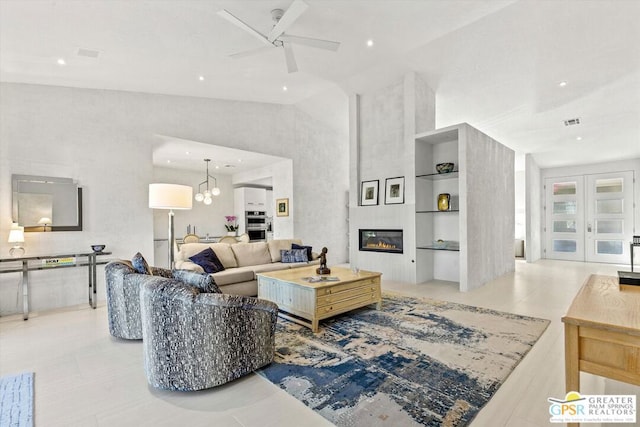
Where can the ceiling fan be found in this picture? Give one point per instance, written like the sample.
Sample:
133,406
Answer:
277,37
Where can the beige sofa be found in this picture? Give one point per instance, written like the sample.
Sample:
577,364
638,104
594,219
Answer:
242,261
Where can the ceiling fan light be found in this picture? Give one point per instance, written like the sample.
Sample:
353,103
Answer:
208,200
215,191
199,197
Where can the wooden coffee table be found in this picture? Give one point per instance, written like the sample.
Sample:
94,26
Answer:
307,303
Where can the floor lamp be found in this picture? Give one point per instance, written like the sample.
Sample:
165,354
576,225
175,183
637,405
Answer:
170,196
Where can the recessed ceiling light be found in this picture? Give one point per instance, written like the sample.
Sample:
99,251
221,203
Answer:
187,153
217,167
168,161
61,61
201,78
239,160
562,84
578,138
284,88
369,43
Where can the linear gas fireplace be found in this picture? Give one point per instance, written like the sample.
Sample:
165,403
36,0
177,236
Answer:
381,240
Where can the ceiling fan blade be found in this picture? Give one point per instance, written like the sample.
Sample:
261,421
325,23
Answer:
296,9
292,67
236,21
250,52
321,44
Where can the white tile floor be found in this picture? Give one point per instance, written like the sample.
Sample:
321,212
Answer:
86,378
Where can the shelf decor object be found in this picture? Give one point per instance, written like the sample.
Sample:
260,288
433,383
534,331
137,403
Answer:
444,167
206,197
369,193
170,196
444,201
16,235
394,194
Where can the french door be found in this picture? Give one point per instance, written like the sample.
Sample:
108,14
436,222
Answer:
589,217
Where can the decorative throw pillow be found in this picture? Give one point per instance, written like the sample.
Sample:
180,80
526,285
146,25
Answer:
308,248
204,282
208,260
294,255
140,264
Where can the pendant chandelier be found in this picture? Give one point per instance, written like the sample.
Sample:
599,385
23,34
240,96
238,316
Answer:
206,196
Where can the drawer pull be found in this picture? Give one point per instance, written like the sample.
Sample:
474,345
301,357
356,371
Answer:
328,309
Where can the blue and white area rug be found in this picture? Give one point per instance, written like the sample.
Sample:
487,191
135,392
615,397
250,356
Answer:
16,400
417,362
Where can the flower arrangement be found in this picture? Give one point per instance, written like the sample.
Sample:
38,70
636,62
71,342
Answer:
231,224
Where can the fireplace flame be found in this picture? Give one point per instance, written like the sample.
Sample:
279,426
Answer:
381,245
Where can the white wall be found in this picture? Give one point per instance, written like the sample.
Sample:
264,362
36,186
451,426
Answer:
103,139
489,174
520,204
383,125
533,210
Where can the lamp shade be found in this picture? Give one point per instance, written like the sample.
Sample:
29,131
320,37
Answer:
16,234
170,196
44,221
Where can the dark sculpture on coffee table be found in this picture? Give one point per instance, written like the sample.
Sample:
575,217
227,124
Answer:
323,269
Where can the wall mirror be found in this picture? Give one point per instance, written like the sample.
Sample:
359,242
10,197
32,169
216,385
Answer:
44,203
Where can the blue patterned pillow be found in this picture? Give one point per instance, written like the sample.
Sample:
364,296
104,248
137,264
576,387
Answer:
208,260
308,248
202,281
140,264
294,255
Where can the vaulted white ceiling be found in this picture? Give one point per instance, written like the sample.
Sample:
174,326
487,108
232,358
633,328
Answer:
494,64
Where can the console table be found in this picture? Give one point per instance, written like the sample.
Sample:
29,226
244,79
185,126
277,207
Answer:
602,333
47,262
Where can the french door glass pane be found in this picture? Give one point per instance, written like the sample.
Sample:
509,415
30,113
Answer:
564,226
569,207
610,247
564,188
564,245
611,185
608,226
612,206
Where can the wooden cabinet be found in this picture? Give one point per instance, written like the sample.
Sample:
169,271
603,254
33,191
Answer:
298,299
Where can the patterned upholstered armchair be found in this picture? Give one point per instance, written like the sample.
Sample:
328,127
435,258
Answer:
194,340
123,297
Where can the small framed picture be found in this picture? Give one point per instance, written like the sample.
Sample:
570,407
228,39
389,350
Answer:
369,193
282,207
394,193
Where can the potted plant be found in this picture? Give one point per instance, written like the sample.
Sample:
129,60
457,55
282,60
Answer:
231,225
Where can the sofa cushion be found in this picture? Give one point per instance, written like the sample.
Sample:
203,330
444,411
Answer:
251,253
189,265
293,255
204,282
140,264
272,266
308,248
233,275
222,250
275,246
208,260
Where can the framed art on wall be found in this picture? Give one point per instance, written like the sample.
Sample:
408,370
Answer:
369,193
394,193
282,207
